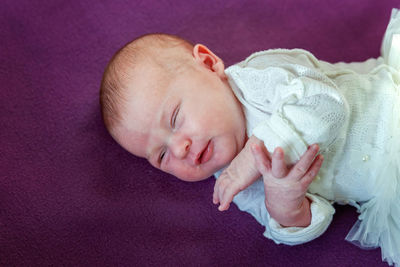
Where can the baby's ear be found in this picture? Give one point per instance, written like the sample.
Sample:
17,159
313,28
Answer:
208,59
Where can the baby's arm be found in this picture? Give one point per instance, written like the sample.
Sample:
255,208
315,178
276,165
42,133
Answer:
285,190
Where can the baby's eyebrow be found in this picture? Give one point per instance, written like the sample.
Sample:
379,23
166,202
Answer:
164,115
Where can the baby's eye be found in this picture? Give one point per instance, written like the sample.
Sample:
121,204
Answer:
174,115
160,158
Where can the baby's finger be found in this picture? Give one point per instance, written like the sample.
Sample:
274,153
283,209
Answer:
262,162
312,171
279,168
227,197
216,192
215,198
221,189
305,162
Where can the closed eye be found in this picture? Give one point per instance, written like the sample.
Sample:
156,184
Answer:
174,116
161,156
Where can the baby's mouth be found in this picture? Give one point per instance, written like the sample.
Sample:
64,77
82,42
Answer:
206,154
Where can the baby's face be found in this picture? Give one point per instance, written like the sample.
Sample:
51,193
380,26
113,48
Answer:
190,127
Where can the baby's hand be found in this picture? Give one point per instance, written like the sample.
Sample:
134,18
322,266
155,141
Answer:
285,188
240,173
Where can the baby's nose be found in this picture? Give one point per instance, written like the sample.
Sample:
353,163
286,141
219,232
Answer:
181,148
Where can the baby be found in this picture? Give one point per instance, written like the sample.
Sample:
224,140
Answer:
177,106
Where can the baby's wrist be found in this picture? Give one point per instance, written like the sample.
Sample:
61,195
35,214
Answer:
298,217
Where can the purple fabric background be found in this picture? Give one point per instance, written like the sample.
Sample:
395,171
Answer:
69,195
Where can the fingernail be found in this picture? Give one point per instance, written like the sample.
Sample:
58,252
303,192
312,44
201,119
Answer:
314,147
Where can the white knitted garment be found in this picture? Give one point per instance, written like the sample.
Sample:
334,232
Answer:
293,100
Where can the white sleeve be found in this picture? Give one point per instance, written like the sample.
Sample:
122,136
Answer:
291,104
252,200
306,108
321,212
310,111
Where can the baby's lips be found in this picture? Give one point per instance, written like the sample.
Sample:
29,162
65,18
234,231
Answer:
207,153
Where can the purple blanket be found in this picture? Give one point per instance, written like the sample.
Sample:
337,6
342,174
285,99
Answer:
70,196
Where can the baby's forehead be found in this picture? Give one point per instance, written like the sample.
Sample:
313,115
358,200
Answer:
148,82
144,93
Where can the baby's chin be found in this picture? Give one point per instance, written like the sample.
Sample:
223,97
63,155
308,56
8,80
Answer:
196,178
200,176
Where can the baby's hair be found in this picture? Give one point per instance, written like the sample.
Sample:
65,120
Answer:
150,48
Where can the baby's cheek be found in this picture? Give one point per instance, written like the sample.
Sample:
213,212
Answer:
175,168
225,158
190,173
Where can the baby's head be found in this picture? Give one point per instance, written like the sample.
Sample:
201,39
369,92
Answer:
169,101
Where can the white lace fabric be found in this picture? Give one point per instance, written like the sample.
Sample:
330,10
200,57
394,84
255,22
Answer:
293,100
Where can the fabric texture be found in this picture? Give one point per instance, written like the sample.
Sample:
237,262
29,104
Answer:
70,196
292,101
